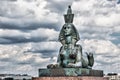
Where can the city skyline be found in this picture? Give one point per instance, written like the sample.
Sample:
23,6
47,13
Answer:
29,32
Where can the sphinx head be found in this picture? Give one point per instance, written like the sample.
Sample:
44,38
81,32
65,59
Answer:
68,29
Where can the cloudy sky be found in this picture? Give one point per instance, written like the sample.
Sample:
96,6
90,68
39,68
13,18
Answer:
29,32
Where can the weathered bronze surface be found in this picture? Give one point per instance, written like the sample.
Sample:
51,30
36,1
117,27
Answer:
71,60
70,54
69,72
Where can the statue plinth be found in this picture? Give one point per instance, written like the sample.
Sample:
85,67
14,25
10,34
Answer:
65,72
70,74
70,78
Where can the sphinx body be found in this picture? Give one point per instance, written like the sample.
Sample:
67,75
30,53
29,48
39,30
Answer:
70,54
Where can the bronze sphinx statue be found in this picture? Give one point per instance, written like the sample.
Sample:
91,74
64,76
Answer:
70,54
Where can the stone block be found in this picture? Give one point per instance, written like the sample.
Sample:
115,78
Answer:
70,78
61,72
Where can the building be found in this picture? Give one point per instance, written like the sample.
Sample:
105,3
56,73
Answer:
15,77
113,76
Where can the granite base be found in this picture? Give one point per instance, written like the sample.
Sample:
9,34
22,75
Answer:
70,78
64,72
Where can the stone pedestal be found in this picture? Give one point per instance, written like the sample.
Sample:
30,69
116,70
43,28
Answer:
58,72
70,78
70,74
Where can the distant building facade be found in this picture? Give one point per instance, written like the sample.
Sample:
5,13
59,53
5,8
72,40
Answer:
15,77
113,76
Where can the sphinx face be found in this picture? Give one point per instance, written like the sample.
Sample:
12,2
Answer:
68,30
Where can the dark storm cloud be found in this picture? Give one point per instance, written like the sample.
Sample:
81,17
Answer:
8,0
4,41
25,36
117,38
116,41
118,2
44,53
14,40
28,26
5,59
23,63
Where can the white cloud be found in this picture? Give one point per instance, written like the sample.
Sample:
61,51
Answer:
46,46
37,35
85,5
50,34
101,47
106,54
99,13
112,19
23,13
13,33
24,68
18,61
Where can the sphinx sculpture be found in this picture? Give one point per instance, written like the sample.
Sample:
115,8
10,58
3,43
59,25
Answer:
70,53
